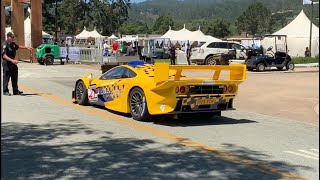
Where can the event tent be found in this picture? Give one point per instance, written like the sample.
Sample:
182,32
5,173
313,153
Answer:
113,37
184,35
212,39
84,34
298,35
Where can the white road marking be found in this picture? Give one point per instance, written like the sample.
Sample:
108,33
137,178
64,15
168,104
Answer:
304,154
316,150
309,153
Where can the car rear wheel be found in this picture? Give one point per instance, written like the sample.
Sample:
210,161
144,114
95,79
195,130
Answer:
138,105
82,94
261,67
211,61
290,66
49,60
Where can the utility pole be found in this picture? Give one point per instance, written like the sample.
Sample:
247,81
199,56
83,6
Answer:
56,19
310,40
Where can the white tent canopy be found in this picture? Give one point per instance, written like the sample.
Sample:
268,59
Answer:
213,39
113,37
84,34
95,34
184,35
298,35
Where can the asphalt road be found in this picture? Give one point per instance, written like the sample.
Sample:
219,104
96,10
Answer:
45,136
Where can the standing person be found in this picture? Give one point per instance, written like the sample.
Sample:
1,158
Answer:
307,52
10,68
105,49
189,49
115,47
173,55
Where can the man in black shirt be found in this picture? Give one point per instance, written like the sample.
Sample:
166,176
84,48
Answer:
173,55
10,68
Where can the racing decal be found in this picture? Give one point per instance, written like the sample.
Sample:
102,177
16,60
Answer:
104,94
213,102
92,95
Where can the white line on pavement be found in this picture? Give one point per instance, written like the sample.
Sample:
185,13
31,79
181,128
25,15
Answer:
309,153
302,155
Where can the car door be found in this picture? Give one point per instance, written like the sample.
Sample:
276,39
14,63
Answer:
118,89
223,47
101,90
211,48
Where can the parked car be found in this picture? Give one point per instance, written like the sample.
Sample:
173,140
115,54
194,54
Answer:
278,59
207,53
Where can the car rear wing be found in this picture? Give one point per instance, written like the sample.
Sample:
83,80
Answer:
237,72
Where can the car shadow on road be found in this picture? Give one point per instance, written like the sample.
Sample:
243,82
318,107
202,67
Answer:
70,148
215,120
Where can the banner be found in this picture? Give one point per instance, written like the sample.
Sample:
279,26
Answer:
72,52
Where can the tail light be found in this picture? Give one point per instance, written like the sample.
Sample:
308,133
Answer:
225,88
181,90
177,89
230,88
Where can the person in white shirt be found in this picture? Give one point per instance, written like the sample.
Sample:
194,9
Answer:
106,49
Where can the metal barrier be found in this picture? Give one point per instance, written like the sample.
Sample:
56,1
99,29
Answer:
90,55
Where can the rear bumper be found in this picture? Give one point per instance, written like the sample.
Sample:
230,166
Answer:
194,105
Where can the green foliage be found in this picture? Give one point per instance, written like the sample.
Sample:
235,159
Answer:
134,28
104,15
255,20
219,28
162,24
305,60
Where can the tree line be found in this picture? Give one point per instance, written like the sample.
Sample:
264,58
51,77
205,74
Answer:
218,18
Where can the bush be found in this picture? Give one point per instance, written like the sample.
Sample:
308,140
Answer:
305,60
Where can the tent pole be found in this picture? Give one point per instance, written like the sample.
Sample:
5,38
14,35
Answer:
311,28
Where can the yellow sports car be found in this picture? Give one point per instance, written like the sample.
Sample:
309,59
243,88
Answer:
145,90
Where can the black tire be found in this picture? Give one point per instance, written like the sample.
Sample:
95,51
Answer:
49,60
290,66
261,67
82,94
210,60
217,113
138,105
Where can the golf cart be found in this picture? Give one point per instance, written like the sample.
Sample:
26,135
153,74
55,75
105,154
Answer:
47,53
278,59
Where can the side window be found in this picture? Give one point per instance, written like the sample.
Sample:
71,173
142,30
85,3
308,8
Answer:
129,74
237,46
115,73
212,45
223,45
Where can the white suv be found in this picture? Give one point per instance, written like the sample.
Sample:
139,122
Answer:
206,54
